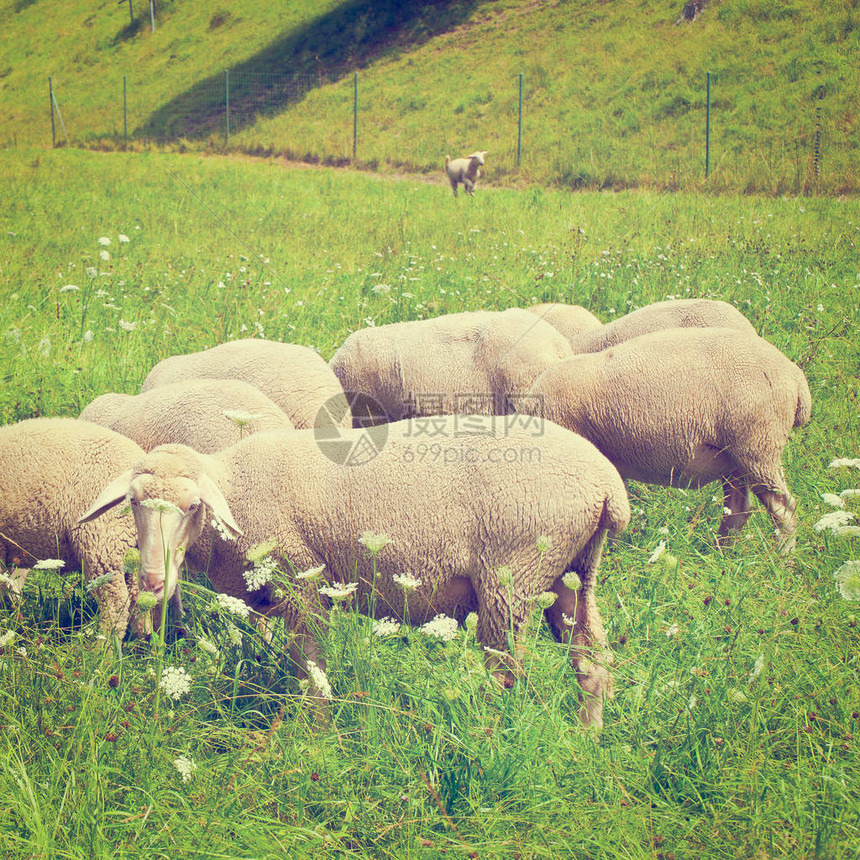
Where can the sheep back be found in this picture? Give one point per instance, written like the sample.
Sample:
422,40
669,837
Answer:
570,320
205,414
673,313
293,376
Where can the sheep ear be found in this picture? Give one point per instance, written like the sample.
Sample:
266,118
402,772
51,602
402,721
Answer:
109,497
213,498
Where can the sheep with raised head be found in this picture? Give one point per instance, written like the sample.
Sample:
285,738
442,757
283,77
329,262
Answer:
465,170
456,363
673,313
570,320
685,407
465,520
50,468
205,414
294,376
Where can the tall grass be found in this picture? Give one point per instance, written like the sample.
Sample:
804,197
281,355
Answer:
733,729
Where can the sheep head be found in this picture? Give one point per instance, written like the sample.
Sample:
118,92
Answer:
169,490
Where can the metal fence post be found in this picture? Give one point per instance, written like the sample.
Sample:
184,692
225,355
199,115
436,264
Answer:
520,124
125,111
708,127
226,106
355,118
53,126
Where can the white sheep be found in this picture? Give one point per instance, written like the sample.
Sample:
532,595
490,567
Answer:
673,313
465,170
570,320
685,407
50,468
456,363
294,376
484,522
205,414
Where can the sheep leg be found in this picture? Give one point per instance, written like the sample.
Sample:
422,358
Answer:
736,511
468,185
575,619
453,185
782,507
500,612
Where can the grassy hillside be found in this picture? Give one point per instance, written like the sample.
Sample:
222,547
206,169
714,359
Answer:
613,93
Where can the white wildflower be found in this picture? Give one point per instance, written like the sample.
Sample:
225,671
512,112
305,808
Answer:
320,681
847,531
505,576
847,578
88,336
104,255
234,605
374,542
92,272
567,620
207,647
69,288
441,627
833,500
471,623
385,627
658,552
44,346
546,599
93,584
261,573
125,325
571,580
737,697
103,240
146,601
241,418
175,682
161,506
672,631
849,494
185,766
21,652
544,544
845,461
758,667
406,581
833,520
7,637
234,634
382,288
5,579
727,511
338,590
49,564
123,239
311,573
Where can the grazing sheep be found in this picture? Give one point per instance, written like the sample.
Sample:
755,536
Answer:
51,468
674,313
295,377
456,363
465,170
685,407
570,320
205,414
464,517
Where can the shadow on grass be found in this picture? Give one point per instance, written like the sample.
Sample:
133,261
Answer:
348,38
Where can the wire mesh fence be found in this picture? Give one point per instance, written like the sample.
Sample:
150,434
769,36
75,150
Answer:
324,117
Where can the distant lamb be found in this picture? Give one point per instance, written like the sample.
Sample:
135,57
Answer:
673,313
456,363
295,377
50,468
570,320
465,170
684,407
205,414
486,526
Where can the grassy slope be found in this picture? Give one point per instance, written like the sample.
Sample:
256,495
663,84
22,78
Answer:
614,93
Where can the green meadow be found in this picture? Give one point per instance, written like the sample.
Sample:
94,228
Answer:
734,729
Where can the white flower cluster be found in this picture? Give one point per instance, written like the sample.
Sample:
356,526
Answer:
6,638
845,461
659,550
175,682
93,584
185,766
311,573
847,577
406,581
235,605
162,506
49,564
572,581
262,572
441,627
338,590
385,627
374,542
833,500
837,522
239,417
319,679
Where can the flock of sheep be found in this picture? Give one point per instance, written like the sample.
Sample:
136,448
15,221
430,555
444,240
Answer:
221,452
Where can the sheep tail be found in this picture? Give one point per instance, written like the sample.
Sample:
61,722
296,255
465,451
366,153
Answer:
616,513
804,402
447,160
